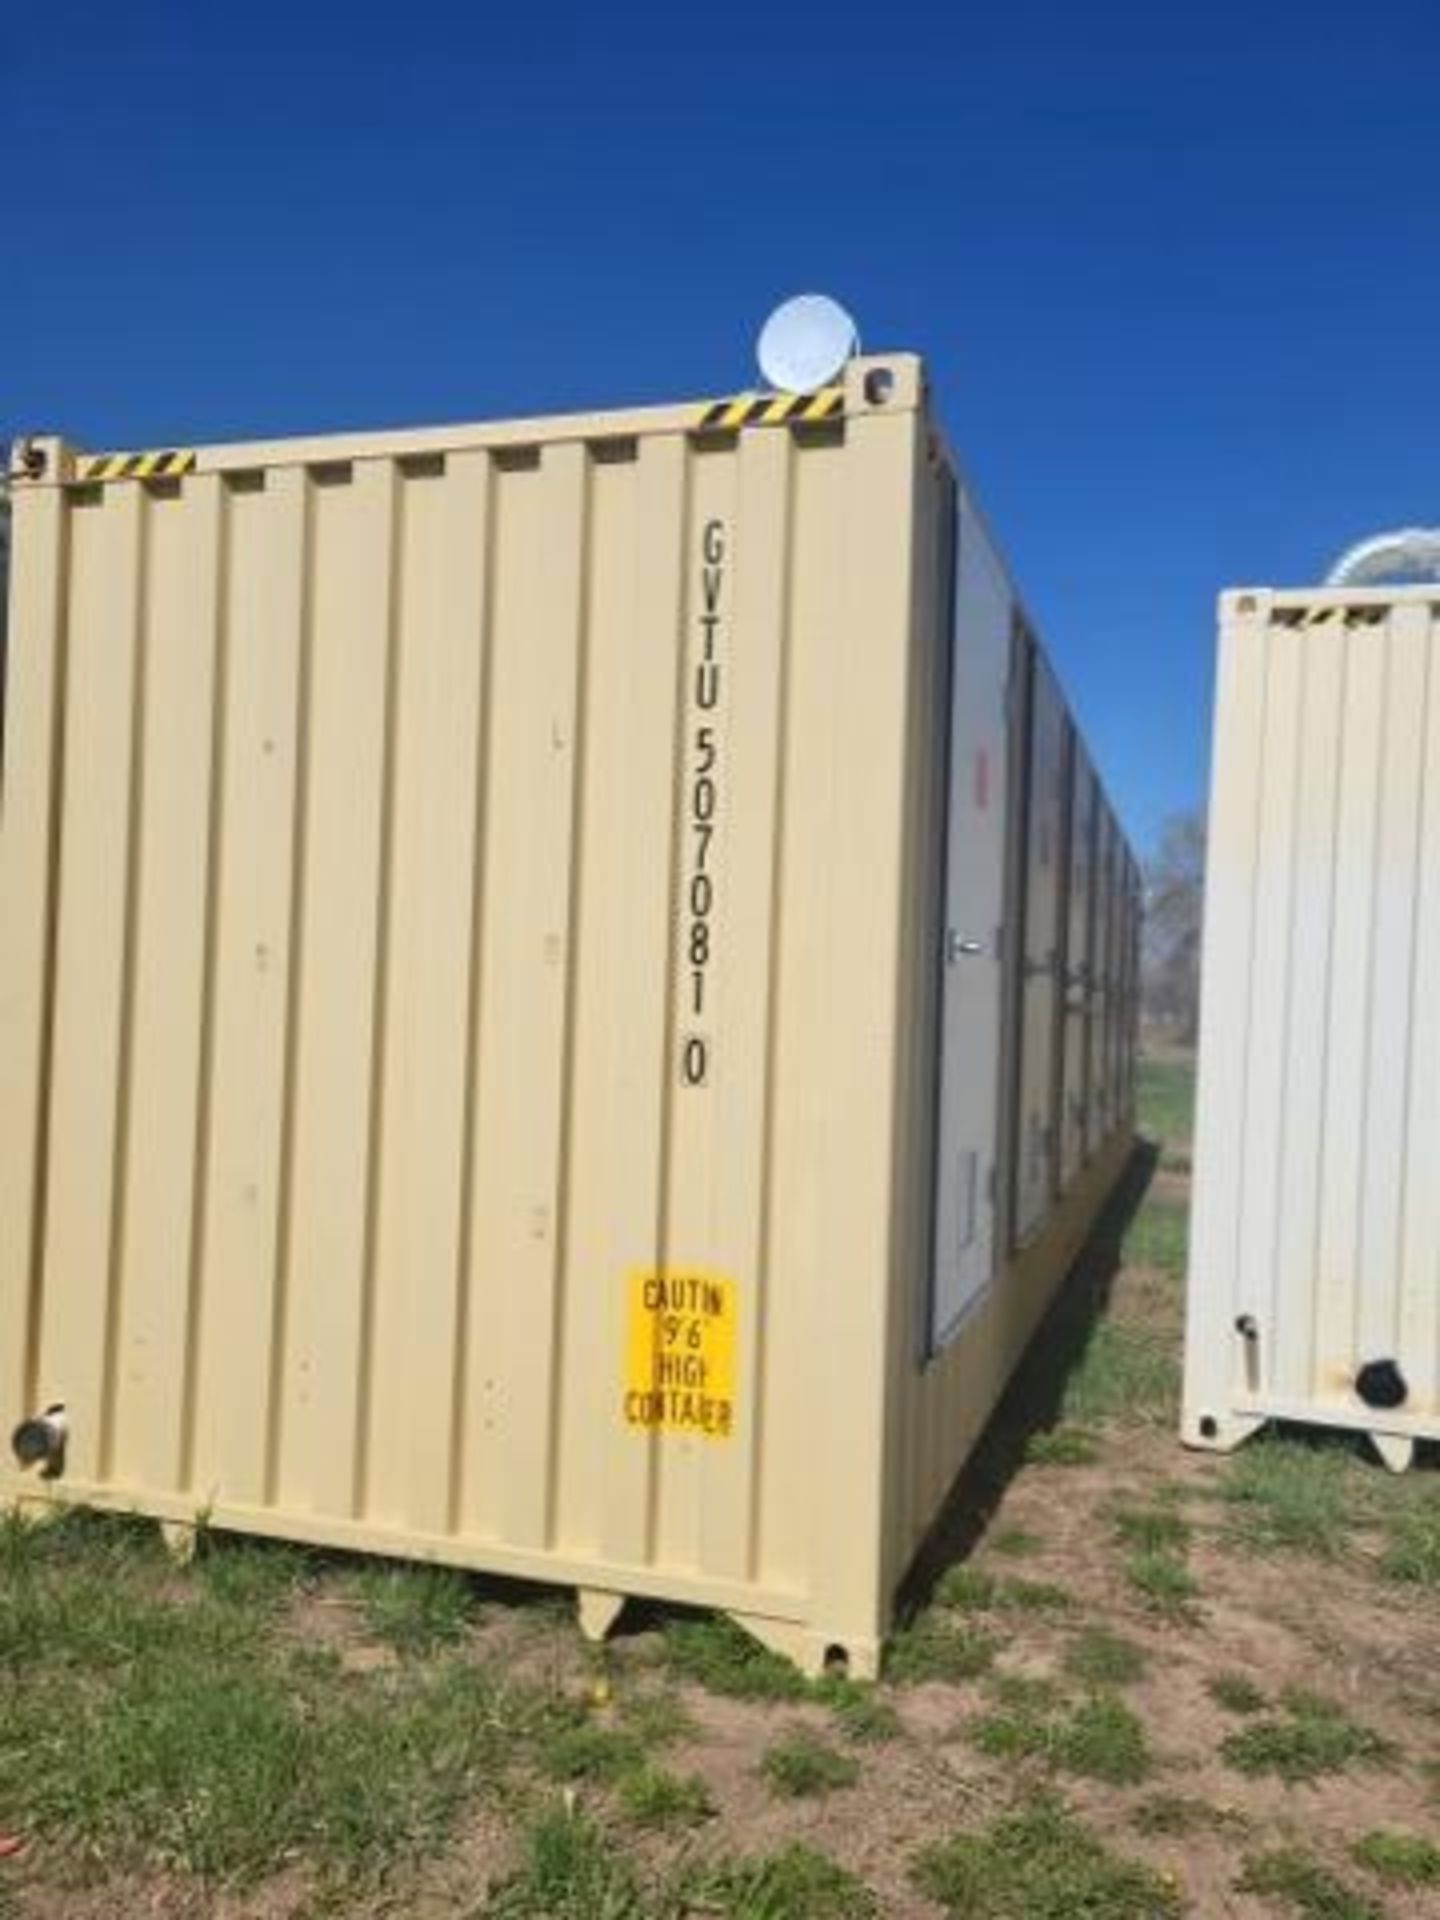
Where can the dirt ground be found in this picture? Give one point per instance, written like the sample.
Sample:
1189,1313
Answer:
1212,1664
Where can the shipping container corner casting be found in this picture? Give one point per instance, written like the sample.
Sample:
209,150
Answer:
1314,1289
568,991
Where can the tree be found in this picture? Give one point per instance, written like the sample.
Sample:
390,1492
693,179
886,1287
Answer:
1174,901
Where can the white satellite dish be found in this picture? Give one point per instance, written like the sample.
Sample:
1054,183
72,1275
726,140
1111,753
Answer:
806,342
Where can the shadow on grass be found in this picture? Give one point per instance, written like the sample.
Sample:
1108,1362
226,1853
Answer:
1034,1401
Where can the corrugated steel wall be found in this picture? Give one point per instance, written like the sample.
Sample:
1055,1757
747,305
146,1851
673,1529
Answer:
1317,1203
408,948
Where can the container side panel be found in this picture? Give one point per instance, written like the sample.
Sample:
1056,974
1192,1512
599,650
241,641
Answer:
864,1089
1078,962
1213,1360
625,1076
701,946
530,931
590,1368
239,1269
1134,909
969,945
1110,972
1097,1091
1035,1149
798,1299
1418,1339
750,784
30,827
1259,1143
1110,969
89,1110
1396,857
635,690
1351,989
324,1362
443,518
169,1036
939,1408
954,869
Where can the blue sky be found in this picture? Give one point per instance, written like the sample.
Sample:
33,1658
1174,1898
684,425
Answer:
1174,267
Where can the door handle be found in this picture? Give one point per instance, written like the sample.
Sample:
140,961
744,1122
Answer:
957,948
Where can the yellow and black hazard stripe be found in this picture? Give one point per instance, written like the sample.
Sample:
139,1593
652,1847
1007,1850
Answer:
771,410
167,465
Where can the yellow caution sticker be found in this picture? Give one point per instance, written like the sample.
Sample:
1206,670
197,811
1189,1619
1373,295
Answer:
771,410
680,1352
170,464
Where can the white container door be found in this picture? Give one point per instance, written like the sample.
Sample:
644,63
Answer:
975,877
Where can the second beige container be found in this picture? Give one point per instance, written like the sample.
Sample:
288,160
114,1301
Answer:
1314,1292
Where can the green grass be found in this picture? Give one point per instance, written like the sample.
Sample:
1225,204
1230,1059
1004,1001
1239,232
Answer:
1400,1859
1287,1495
1314,1496
1025,1692
1014,1543
1307,1886
1310,1738
414,1609
655,1798
1236,1693
571,1871
264,1575
1150,1529
1103,1740
716,1654
1099,1740
1164,1584
1165,1100
1063,1446
937,1647
1040,1863
1129,1371
1158,1236
802,1766
1035,1596
1100,1658
157,1719
212,1761
655,1716
585,1751
1412,1551
967,1588
860,1713
795,1883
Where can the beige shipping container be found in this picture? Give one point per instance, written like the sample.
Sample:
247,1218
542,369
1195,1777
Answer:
511,1044
1079,965
1314,1289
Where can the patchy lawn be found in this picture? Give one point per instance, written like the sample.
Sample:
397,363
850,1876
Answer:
1131,1683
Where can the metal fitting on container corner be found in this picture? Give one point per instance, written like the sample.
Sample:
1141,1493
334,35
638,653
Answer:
40,1441
27,460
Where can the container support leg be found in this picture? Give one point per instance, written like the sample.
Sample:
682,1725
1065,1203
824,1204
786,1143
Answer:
597,1609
